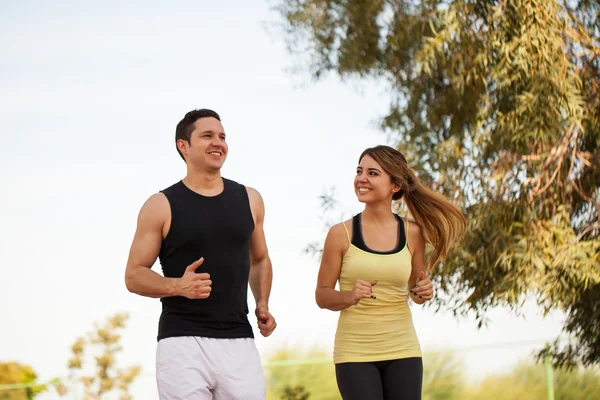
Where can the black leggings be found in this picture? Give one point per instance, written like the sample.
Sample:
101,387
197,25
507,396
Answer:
382,380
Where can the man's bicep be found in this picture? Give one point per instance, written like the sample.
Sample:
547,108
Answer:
145,248
148,236
258,244
257,206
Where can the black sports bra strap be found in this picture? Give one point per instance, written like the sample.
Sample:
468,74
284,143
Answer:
359,241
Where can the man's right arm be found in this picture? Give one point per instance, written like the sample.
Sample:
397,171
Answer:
139,277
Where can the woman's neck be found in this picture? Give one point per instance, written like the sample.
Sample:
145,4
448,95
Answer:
378,214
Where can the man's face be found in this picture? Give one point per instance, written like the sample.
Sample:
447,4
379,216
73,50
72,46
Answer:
207,147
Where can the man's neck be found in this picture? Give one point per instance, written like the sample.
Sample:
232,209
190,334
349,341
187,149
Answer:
208,184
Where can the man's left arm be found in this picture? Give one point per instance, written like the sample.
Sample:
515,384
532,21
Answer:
261,271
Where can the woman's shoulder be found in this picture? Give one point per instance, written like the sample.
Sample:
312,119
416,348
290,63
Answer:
340,234
342,228
413,228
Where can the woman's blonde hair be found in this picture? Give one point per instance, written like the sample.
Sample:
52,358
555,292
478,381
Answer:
442,223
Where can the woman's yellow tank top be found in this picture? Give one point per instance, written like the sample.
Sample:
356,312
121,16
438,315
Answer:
382,328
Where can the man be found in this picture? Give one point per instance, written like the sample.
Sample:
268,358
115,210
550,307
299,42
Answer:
207,232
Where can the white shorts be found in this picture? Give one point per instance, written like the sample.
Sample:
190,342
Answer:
199,368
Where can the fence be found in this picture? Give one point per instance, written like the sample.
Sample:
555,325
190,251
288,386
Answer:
75,390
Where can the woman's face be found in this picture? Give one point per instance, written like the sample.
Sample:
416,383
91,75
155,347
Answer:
372,183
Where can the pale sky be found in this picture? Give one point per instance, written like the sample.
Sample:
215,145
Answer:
90,93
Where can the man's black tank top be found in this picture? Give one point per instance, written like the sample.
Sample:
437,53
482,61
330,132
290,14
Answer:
217,228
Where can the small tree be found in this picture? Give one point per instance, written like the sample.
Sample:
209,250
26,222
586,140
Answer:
16,373
106,378
295,393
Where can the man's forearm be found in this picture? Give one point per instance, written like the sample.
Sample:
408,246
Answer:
145,282
261,278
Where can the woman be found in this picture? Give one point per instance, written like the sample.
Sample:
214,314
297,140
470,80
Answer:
379,260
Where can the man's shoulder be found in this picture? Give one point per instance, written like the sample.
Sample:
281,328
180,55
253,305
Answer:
254,198
156,207
252,192
174,187
232,183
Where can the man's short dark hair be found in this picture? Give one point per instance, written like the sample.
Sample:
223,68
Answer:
185,127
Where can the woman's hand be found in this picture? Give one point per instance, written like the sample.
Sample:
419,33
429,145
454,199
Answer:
361,290
424,288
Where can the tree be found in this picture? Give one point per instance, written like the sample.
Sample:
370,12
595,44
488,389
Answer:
106,378
16,373
497,104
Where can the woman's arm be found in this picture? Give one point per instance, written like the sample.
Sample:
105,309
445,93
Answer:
419,285
336,244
